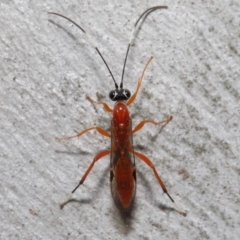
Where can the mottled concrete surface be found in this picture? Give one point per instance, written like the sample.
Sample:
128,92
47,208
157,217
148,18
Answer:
47,70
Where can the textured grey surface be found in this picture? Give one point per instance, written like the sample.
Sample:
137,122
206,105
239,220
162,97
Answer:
47,69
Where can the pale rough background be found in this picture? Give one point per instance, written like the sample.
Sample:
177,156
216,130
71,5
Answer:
47,69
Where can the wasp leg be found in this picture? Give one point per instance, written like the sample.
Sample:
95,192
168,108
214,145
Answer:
99,129
141,124
132,98
150,164
97,157
105,106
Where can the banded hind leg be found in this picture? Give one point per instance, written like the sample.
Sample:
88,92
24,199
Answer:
96,158
151,165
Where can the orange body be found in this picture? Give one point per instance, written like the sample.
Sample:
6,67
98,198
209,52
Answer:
123,173
122,163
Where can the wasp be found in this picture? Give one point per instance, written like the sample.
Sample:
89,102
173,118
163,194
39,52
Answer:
122,153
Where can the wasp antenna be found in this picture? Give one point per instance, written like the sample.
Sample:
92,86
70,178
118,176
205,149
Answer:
142,16
91,42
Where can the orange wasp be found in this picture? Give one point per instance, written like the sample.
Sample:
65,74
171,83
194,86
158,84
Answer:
122,162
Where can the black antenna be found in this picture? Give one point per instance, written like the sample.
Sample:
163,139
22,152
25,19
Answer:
143,15
91,41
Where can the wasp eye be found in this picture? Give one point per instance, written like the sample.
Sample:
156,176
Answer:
113,94
126,93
